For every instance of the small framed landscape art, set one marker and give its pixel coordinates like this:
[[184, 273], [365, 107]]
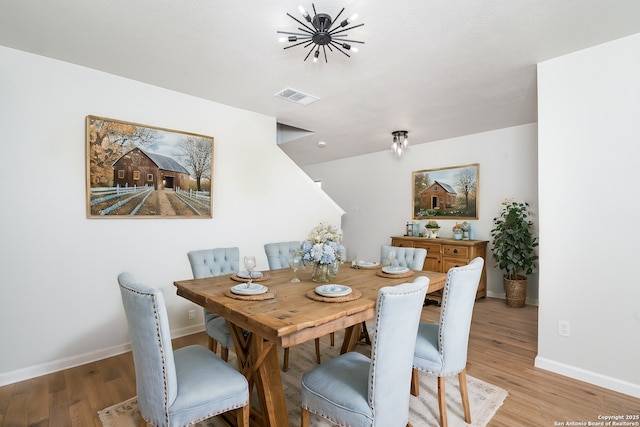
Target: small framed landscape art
[[139, 171], [446, 193]]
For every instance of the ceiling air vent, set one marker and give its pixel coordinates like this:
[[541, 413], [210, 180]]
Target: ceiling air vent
[[296, 96]]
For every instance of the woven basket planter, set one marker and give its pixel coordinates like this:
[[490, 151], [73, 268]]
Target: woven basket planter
[[516, 291]]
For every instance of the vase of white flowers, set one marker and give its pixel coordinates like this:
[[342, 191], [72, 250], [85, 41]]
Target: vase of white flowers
[[322, 249], [324, 273]]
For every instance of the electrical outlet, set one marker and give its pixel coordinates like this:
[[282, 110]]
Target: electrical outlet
[[564, 328], [192, 314]]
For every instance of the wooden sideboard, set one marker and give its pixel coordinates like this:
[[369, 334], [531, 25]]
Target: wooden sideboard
[[442, 254]]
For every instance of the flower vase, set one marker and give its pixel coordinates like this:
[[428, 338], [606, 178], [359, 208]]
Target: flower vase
[[457, 235], [324, 273]]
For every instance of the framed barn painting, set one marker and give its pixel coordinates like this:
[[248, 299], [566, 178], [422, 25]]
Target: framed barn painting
[[139, 171], [446, 193]]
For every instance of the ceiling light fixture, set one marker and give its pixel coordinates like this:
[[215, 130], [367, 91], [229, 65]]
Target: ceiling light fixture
[[320, 35], [400, 142]]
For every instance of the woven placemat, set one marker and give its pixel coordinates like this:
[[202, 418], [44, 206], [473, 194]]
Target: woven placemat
[[267, 295], [265, 276], [355, 294], [394, 276]]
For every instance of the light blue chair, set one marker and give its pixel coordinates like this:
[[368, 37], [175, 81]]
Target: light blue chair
[[343, 252], [279, 253], [209, 263], [441, 348], [279, 256], [354, 390], [412, 258], [181, 387]]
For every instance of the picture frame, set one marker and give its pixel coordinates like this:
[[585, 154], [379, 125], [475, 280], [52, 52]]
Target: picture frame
[[446, 193], [141, 171]]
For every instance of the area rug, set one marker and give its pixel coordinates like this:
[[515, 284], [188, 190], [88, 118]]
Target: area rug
[[484, 398]]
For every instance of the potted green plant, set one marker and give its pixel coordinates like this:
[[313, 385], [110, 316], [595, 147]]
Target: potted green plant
[[513, 249], [432, 229]]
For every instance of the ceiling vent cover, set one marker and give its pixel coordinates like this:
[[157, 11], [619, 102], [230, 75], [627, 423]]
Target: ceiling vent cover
[[296, 96]]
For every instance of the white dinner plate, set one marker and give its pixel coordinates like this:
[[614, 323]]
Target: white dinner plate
[[368, 264], [394, 270], [254, 289], [333, 290], [244, 274]]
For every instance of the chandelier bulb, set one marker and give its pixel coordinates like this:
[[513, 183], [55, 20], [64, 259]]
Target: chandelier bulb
[[282, 39], [346, 46], [316, 55], [348, 21], [304, 13]]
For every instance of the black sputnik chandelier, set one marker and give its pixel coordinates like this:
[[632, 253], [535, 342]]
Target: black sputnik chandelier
[[321, 34]]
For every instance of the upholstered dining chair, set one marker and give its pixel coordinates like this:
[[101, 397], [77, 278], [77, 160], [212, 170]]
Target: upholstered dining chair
[[279, 253], [279, 256], [181, 387], [209, 263], [354, 390], [441, 348], [412, 258]]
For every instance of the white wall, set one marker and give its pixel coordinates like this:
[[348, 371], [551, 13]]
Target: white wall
[[375, 189], [60, 303], [589, 153]]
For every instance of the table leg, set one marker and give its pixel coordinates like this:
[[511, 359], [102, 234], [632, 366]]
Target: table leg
[[351, 337], [258, 362], [268, 382]]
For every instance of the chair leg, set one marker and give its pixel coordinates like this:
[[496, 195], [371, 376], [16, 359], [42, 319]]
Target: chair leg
[[285, 361], [464, 395], [332, 337], [364, 334], [304, 418], [213, 345], [224, 353], [242, 415], [415, 382], [318, 350], [442, 402]]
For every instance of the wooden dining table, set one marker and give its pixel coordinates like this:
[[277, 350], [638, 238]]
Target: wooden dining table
[[289, 314]]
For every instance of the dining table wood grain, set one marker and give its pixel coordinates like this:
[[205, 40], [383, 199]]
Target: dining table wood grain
[[291, 317]]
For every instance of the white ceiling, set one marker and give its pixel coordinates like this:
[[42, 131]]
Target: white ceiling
[[437, 68]]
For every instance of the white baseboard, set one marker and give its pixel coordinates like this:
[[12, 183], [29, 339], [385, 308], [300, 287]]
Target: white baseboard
[[80, 359], [189, 330], [594, 378]]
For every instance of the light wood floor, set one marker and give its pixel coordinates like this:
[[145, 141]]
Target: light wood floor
[[502, 348]]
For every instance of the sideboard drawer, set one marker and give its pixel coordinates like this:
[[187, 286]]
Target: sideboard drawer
[[456, 251], [402, 243], [430, 247]]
